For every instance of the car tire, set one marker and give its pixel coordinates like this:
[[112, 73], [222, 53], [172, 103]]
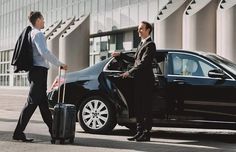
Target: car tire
[[97, 115]]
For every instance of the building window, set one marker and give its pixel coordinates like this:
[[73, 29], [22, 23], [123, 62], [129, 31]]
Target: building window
[[4, 68], [4, 80], [94, 6], [104, 43], [133, 2], [20, 79], [112, 42], [101, 46], [108, 5], [97, 44], [87, 6], [124, 3], [101, 6], [116, 4], [136, 39], [7, 77], [119, 41]]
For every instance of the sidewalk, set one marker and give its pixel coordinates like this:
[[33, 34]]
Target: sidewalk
[[11, 103], [37, 129], [163, 140]]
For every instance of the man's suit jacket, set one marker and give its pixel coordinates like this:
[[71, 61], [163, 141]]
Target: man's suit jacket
[[143, 58], [23, 56], [143, 78]]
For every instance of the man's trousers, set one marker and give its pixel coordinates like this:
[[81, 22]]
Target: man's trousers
[[37, 77]]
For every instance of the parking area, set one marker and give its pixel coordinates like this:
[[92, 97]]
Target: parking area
[[163, 139]]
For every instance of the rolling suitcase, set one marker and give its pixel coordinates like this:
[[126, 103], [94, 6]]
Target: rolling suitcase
[[64, 118]]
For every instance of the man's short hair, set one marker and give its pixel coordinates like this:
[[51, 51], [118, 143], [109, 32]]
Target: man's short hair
[[148, 26], [33, 16]]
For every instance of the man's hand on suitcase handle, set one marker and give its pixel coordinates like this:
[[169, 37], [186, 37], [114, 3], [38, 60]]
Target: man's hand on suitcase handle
[[64, 67]]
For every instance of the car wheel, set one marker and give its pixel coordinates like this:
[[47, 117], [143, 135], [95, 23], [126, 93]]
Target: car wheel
[[97, 115]]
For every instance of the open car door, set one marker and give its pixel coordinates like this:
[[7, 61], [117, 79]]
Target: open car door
[[124, 86]]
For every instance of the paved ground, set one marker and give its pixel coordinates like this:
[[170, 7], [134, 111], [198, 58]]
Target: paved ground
[[163, 139]]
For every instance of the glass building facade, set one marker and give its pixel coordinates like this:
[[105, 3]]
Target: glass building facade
[[113, 26]]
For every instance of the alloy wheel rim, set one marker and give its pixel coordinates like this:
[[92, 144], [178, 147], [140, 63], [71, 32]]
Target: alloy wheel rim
[[95, 114]]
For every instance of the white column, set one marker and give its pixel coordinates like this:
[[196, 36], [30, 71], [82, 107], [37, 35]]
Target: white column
[[74, 45], [199, 25], [168, 26], [53, 45], [48, 31], [226, 31]]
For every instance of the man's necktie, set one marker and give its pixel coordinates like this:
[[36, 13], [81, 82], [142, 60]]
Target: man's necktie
[[141, 43]]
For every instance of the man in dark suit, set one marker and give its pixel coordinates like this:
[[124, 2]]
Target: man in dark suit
[[37, 77], [143, 81]]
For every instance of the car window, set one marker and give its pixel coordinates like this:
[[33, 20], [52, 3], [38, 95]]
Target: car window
[[114, 65], [158, 66], [205, 68], [189, 65], [119, 64]]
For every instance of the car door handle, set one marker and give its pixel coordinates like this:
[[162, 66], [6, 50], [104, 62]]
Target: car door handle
[[178, 81], [115, 75]]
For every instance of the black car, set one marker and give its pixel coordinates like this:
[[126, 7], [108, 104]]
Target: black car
[[191, 89]]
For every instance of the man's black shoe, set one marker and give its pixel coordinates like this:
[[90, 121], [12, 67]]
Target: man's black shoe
[[138, 134], [144, 137], [22, 138]]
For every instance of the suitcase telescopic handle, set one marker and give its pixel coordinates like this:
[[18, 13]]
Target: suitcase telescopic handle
[[59, 86]]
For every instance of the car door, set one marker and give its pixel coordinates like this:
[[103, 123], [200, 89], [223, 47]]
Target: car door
[[126, 87], [123, 87], [198, 95]]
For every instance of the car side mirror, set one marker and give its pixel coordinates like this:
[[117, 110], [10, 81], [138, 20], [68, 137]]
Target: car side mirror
[[217, 73]]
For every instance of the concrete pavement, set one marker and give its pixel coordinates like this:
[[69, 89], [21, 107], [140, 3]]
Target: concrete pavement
[[164, 139]]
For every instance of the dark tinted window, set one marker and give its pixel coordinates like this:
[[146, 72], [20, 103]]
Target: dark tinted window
[[188, 65], [119, 64], [159, 64]]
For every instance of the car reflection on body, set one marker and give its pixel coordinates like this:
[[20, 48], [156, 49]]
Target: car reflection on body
[[191, 89]]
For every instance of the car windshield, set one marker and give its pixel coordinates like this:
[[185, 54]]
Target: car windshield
[[227, 64]]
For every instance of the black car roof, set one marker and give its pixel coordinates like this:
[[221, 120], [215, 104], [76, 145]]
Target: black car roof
[[184, 51], [201, 53], [180, 50]]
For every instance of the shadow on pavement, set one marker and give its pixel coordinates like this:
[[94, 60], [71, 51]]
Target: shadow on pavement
[[164, 138], [7, 136], [185, 141], [201, 136], [15, 120]]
